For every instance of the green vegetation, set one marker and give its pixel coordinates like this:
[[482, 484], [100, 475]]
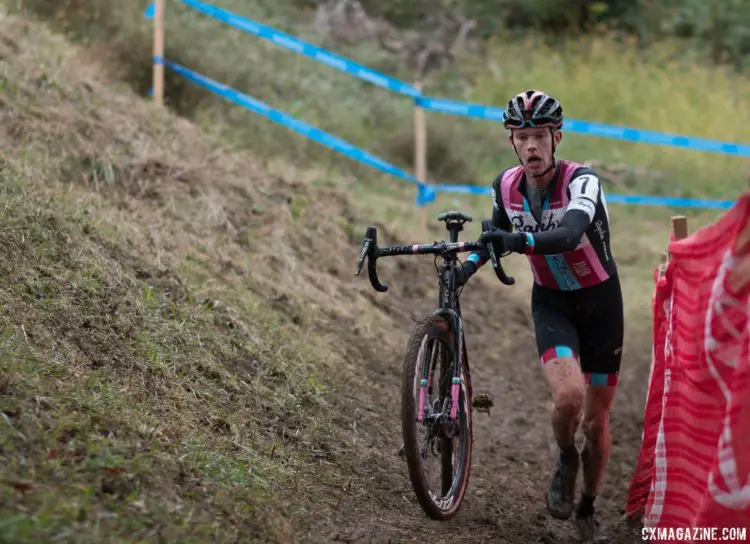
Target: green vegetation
[[154, 381], [612, 83], [607, 78], [716, 30]]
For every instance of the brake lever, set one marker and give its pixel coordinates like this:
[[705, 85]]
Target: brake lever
[[496, 265], [487, 227], [363, 254], [370, 249]]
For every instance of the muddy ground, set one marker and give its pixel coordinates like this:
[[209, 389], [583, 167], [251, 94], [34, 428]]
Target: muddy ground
[[514, 449]]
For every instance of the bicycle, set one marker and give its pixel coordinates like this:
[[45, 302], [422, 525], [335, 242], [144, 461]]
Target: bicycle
[[445, 417]]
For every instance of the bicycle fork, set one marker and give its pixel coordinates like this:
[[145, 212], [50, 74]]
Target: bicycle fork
[[456, 378]]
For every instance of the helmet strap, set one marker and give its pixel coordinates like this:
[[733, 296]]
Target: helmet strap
[[554, 161]]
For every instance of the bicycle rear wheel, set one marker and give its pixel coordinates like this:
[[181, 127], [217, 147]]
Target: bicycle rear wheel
[[430, 359]]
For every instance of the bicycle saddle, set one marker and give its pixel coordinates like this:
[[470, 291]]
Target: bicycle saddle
[[454, 216]]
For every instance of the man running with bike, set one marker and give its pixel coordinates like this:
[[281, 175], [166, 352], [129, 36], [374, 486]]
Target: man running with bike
[[560, 216]]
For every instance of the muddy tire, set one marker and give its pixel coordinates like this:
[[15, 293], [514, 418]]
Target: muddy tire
[[432, 343]]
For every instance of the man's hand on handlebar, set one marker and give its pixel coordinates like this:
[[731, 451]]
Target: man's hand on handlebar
[[503, 241], [370, 252]]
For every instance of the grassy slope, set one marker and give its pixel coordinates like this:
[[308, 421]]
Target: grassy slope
[[169, 365]]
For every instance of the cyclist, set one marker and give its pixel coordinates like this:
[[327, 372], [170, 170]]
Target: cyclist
[[561, 222]]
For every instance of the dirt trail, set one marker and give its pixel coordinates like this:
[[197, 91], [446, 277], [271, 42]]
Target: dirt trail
[[287, 241], [514, 447]]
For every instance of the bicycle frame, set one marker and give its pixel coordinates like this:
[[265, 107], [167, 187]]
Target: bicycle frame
[[448, 307], [449, 310]]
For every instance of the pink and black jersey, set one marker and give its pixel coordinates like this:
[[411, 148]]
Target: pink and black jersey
[[574, 193]]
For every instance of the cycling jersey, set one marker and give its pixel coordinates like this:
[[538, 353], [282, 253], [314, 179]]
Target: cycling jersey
[[568, 243]]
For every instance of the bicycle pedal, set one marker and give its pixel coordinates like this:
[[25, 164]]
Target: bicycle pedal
[[482, 402]]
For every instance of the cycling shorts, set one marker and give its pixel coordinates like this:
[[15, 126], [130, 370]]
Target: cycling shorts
[[587, 324]]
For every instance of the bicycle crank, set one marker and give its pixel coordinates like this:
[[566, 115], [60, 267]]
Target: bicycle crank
[[482, 402]]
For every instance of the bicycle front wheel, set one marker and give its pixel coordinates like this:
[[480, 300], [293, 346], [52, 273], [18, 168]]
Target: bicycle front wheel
[[427, 391]]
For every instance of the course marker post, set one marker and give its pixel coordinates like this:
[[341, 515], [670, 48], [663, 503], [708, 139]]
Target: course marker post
[[158, 58]]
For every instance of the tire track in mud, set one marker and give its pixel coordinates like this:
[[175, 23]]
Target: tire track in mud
[[514, 448]]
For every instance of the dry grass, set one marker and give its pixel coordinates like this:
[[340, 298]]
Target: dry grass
[[159, 375]]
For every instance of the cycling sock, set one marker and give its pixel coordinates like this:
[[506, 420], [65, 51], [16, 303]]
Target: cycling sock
[[585, 506], [569, 453]]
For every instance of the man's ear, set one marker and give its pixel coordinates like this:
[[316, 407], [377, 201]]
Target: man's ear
[[558, 136], [510, 140]]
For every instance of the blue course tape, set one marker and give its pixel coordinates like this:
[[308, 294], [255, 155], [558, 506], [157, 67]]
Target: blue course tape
[[449, 106], [593, 129], [645, 200], [466, 189], [295, 44], [675, 202], [658, 138], [460, 108], [424, 195]]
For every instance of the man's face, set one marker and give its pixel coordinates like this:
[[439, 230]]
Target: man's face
[[534, 147]]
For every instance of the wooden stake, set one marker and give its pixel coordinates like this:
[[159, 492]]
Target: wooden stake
[[680, 230], [420, 150], [679, 226], [158, 51]]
